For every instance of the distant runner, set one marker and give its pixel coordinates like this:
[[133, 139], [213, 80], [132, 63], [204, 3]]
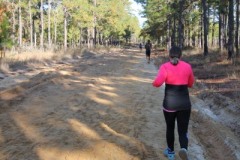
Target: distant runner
[[140, 46], [177, 76], [148, 48]]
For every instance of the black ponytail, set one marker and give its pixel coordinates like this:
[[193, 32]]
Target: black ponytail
[[174, 61], [175, 53]]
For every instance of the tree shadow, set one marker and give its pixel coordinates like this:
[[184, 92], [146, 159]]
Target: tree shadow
[[81, 114]]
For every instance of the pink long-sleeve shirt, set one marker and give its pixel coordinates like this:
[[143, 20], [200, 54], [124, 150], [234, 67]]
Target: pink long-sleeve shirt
[[180, 74], [176, 75]]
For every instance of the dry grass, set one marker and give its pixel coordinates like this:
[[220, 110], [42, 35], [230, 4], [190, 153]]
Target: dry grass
[[34, 57], [14, 60], [217, 74]]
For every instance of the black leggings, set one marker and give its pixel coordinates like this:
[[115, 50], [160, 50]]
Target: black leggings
[[182, 122], [148, 53]]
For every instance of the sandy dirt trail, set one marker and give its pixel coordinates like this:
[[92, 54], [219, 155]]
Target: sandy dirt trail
[[96, 107]]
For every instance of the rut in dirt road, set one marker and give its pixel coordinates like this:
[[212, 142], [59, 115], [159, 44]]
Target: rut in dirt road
[[96, 107]]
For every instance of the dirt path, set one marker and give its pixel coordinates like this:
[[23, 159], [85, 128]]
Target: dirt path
[[97, 107]]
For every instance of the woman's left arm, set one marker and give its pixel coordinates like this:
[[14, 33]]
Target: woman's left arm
[[191, 78]]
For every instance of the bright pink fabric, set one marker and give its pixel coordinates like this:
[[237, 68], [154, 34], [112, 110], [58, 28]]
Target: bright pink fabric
[[180, 74]]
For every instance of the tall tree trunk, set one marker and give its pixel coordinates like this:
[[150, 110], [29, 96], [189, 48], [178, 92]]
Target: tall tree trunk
[[201, 31], [180, 24], [88, 37], [31, 23], [189, 34], [34, 34], [80, 37], [230, 30], [95, 24], [173, 37], [65, 28], [186, 39], [208, 19], [213, 27], [224, 31], [101, 38], [92, 31], [55, 30], [220, 31], [225, 24], [205, 28], [237, 27], [213, 35], [35, 39], [42, 26], [20, 23], [13, 22], [169, 34], [49, 23]]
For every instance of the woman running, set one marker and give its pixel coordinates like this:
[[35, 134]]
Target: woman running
[[177, 76]]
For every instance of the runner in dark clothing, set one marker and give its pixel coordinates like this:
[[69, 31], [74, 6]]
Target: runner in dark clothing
[[177, 76], [148, 47], [140, 46]]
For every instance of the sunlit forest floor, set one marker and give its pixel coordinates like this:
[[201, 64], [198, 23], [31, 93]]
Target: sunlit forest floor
[[100, 104]]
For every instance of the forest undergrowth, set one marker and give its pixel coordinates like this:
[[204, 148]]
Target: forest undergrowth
[[27, 59]]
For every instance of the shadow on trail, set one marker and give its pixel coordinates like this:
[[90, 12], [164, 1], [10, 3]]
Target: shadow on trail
[[81, 112]]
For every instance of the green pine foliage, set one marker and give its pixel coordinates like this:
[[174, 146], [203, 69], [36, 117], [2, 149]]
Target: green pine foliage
[[109, 19], [5, 37]]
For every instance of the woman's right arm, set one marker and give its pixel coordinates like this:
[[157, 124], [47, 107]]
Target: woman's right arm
[[160, 78]]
